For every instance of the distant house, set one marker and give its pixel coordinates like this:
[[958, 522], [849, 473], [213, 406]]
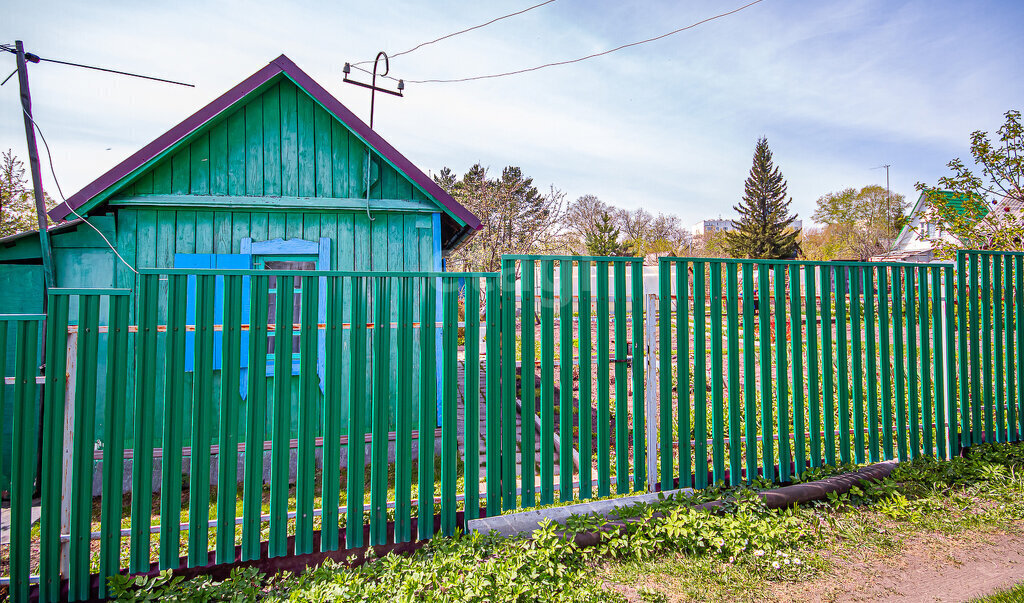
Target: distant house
[[720, 225], [709, 226], [922, 235]]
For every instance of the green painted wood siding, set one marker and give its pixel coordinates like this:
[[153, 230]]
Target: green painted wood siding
[[278, 143], [149, 238]]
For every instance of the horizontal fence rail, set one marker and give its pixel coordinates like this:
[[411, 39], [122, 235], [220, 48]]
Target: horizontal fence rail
[[254, 414]]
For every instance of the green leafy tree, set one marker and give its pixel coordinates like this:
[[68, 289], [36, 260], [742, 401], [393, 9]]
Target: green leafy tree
[[604, 240], [858, 224], [764, 229], [517, 218], [982, 211], [17, 208]]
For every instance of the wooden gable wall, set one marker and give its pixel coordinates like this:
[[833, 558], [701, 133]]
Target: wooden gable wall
[[280, 143]]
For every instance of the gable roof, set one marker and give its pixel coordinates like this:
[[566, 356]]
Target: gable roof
[[120, 175], [954, 202]]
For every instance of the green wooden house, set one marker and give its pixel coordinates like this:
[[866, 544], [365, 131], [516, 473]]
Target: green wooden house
[[275, 173]]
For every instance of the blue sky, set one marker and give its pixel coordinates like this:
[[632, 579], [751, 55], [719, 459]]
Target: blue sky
[[838, 87]]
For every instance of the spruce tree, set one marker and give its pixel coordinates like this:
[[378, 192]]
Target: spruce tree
[[764, 229], [605, 239]]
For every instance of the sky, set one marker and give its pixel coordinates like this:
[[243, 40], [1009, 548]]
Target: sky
[[838, 87]]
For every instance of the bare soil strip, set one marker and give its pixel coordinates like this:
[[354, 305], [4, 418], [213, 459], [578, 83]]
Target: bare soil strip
[[929, 567]]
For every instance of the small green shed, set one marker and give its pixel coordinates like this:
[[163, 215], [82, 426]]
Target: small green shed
[[274, 173]]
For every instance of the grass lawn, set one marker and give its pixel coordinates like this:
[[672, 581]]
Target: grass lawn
[[923, 530], [1009, 595]]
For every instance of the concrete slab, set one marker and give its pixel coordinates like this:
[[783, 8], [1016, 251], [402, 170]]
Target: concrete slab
[[5, 520], [528, 521]]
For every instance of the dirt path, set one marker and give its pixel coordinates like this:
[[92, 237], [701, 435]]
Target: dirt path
[[929, 568]]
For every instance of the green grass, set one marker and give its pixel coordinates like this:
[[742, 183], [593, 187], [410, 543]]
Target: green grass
[[1014, 594], [678, 554]]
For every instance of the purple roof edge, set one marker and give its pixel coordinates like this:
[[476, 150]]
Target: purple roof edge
[[281, 64]]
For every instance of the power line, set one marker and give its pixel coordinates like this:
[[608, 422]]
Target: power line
[[451, 35], [36, 59], [584, 58], [53, 172], [145, 77]]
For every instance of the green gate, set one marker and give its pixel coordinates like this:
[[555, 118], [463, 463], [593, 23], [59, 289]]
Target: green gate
[[768, 368], [599, 302]]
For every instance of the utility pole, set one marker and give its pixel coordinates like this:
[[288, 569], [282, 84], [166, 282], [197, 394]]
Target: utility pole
[[44, 236], [33, 162], [888, 201], [374, 89]]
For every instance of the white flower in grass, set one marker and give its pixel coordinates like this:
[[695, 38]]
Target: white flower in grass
[[775, 564], [759, 553]]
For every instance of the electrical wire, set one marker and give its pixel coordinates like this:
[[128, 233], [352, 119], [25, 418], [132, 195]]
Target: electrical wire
[[452, 35], [53, 172], [104, 69], [584, 58], [115, 71]]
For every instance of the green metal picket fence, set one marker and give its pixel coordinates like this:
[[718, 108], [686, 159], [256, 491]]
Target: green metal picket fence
[[990, 336], [769, 368], [599, 324], [19, 378], [366, 408], [361, 361]]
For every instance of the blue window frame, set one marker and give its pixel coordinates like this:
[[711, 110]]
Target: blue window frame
[[277, 253], [294, 254], [223, 261]]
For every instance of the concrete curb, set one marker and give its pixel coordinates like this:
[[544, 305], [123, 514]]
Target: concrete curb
[[777, 498], [528, 521]]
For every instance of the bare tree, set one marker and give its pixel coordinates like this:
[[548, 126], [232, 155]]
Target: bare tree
[[635, 226], [647, 233], [583, 219], [667, 235]]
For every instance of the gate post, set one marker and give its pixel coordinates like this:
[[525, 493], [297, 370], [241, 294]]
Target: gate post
[[507, 441]]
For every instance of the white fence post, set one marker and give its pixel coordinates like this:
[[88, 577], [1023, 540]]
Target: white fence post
[[69, 427], [651, 391]]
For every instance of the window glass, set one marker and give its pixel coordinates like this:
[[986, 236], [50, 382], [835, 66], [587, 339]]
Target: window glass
[[296, 303]]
